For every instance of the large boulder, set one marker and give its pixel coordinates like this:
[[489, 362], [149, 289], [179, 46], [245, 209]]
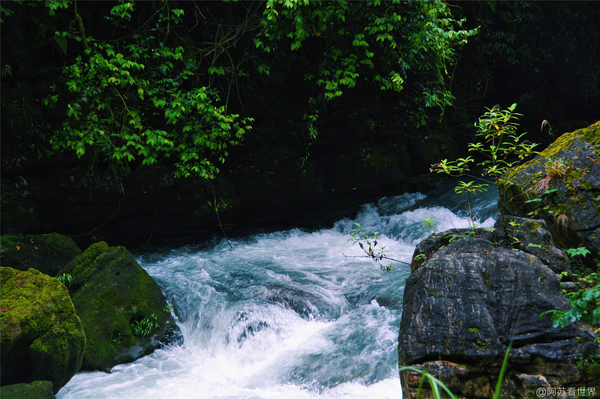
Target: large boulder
[[123, 310], [527, 235], [470, 298], [42, 337], [48, 253], [35, 390], [562, 186]]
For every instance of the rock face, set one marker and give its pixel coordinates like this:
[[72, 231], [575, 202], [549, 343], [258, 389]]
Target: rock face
[[562, 186], [466, 299], [42, 337], [123, 311], [48, 253]]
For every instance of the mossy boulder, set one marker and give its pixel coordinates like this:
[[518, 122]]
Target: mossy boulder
[[562, 186], [42, 337], [48, 253], [123, 310], [35, 390]]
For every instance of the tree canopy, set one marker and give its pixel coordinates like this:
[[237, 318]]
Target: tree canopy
[[150, 82]]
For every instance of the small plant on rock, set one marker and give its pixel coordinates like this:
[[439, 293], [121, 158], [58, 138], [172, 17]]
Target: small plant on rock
[[575, 255], [146, 327], [585, 303], [502, 148], [429, 224], [514, 228], [557, 170], [65, 278]]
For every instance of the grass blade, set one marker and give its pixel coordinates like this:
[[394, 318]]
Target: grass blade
[[502, 371]]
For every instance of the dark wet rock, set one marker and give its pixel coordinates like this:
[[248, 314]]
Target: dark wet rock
[[123, 311], [427, 247], [467, 298], [533, 236], [48, 253], [35, 390], [243, 329], [247, 323], [42, 337], [464, 305], [307, 305]]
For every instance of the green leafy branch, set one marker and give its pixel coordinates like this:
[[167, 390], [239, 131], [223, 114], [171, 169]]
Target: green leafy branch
[[395, 45], [585, 305], [125, 109], [501, 146], [368, 242]]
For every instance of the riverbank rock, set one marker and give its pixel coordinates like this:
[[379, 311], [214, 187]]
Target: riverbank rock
[[35, 390], [48, 253], [465, 303], [562, 186], [123, 311], [42, 337]]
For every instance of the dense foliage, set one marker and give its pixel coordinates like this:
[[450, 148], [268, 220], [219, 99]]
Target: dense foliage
[[399, 45], [129, 83], [148, 84]]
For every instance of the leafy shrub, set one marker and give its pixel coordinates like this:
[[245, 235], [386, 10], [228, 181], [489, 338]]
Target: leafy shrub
[[503, 150], [137, 101], [584, 306]]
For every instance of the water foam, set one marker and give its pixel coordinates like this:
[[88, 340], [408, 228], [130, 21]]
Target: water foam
[[289, 314]]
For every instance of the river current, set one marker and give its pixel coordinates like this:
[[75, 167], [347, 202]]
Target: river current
[[286, 314]]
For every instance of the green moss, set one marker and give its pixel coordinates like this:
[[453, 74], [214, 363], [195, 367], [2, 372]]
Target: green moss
[[47, 253], [83, 266], [481, 345], [486, 277], [474, 329], [9, 240], [39, 325], [108, 285], [35, 390], [590, 134]]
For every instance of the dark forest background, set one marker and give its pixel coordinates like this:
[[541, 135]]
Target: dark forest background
[[131, 122]]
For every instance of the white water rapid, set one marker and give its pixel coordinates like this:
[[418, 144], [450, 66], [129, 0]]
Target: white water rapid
[[286, 314]]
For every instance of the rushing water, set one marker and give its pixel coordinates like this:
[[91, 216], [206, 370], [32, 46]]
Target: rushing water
[[289, 314]]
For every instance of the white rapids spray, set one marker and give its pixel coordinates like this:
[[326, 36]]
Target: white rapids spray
[[290, 314]]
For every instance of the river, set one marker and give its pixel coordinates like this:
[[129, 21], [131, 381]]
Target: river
[[286, 314]]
